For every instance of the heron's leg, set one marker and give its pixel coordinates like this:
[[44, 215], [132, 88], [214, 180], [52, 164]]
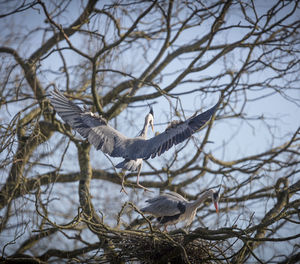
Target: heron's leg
[[123, 180], [138, 178]]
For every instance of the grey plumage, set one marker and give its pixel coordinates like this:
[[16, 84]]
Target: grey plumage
[[104, 137], [98, 132], [171, 208], [136, 165], [131, 165]]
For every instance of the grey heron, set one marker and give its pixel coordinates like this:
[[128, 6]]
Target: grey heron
[[81, 121], [171, 208], [104, 137], [136, 165]]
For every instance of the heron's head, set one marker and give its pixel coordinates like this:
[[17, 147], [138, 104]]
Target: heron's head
[[215, 198], [150, 118]]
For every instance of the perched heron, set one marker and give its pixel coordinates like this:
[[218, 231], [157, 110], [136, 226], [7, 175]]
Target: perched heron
[[171, 208], [104, 137]]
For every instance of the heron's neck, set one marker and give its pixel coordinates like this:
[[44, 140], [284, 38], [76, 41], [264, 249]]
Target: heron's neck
[[195, 204], [145, 128]]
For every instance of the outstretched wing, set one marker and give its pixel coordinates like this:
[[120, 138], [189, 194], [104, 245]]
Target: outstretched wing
[[164, 205], [90, 126], [173, 135], [112, 142]]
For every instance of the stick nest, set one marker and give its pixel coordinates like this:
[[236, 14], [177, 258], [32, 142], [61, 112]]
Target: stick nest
[[164, 248]]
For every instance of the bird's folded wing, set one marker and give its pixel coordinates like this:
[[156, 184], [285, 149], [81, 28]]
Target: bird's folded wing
[[175, 196], [162, 206]]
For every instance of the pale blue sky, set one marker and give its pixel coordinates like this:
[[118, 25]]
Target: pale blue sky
[[242, 139]]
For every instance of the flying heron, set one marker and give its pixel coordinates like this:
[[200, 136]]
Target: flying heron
[[104, 137], [91, 126], [171, 208], [136, 165]]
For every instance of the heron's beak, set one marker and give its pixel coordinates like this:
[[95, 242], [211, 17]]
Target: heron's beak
[[216, 206], [152, 126]]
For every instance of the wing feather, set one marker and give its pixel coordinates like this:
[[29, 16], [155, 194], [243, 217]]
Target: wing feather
[[164, 205], [90, 126], [176, 196], [109, 140], [172, 135]]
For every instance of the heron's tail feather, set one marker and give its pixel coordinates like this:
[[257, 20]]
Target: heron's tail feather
[[131, 165]]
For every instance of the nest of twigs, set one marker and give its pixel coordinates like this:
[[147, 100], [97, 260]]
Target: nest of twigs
[[164, 248]]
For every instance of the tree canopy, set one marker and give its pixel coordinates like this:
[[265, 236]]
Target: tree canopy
[[60, 199]]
